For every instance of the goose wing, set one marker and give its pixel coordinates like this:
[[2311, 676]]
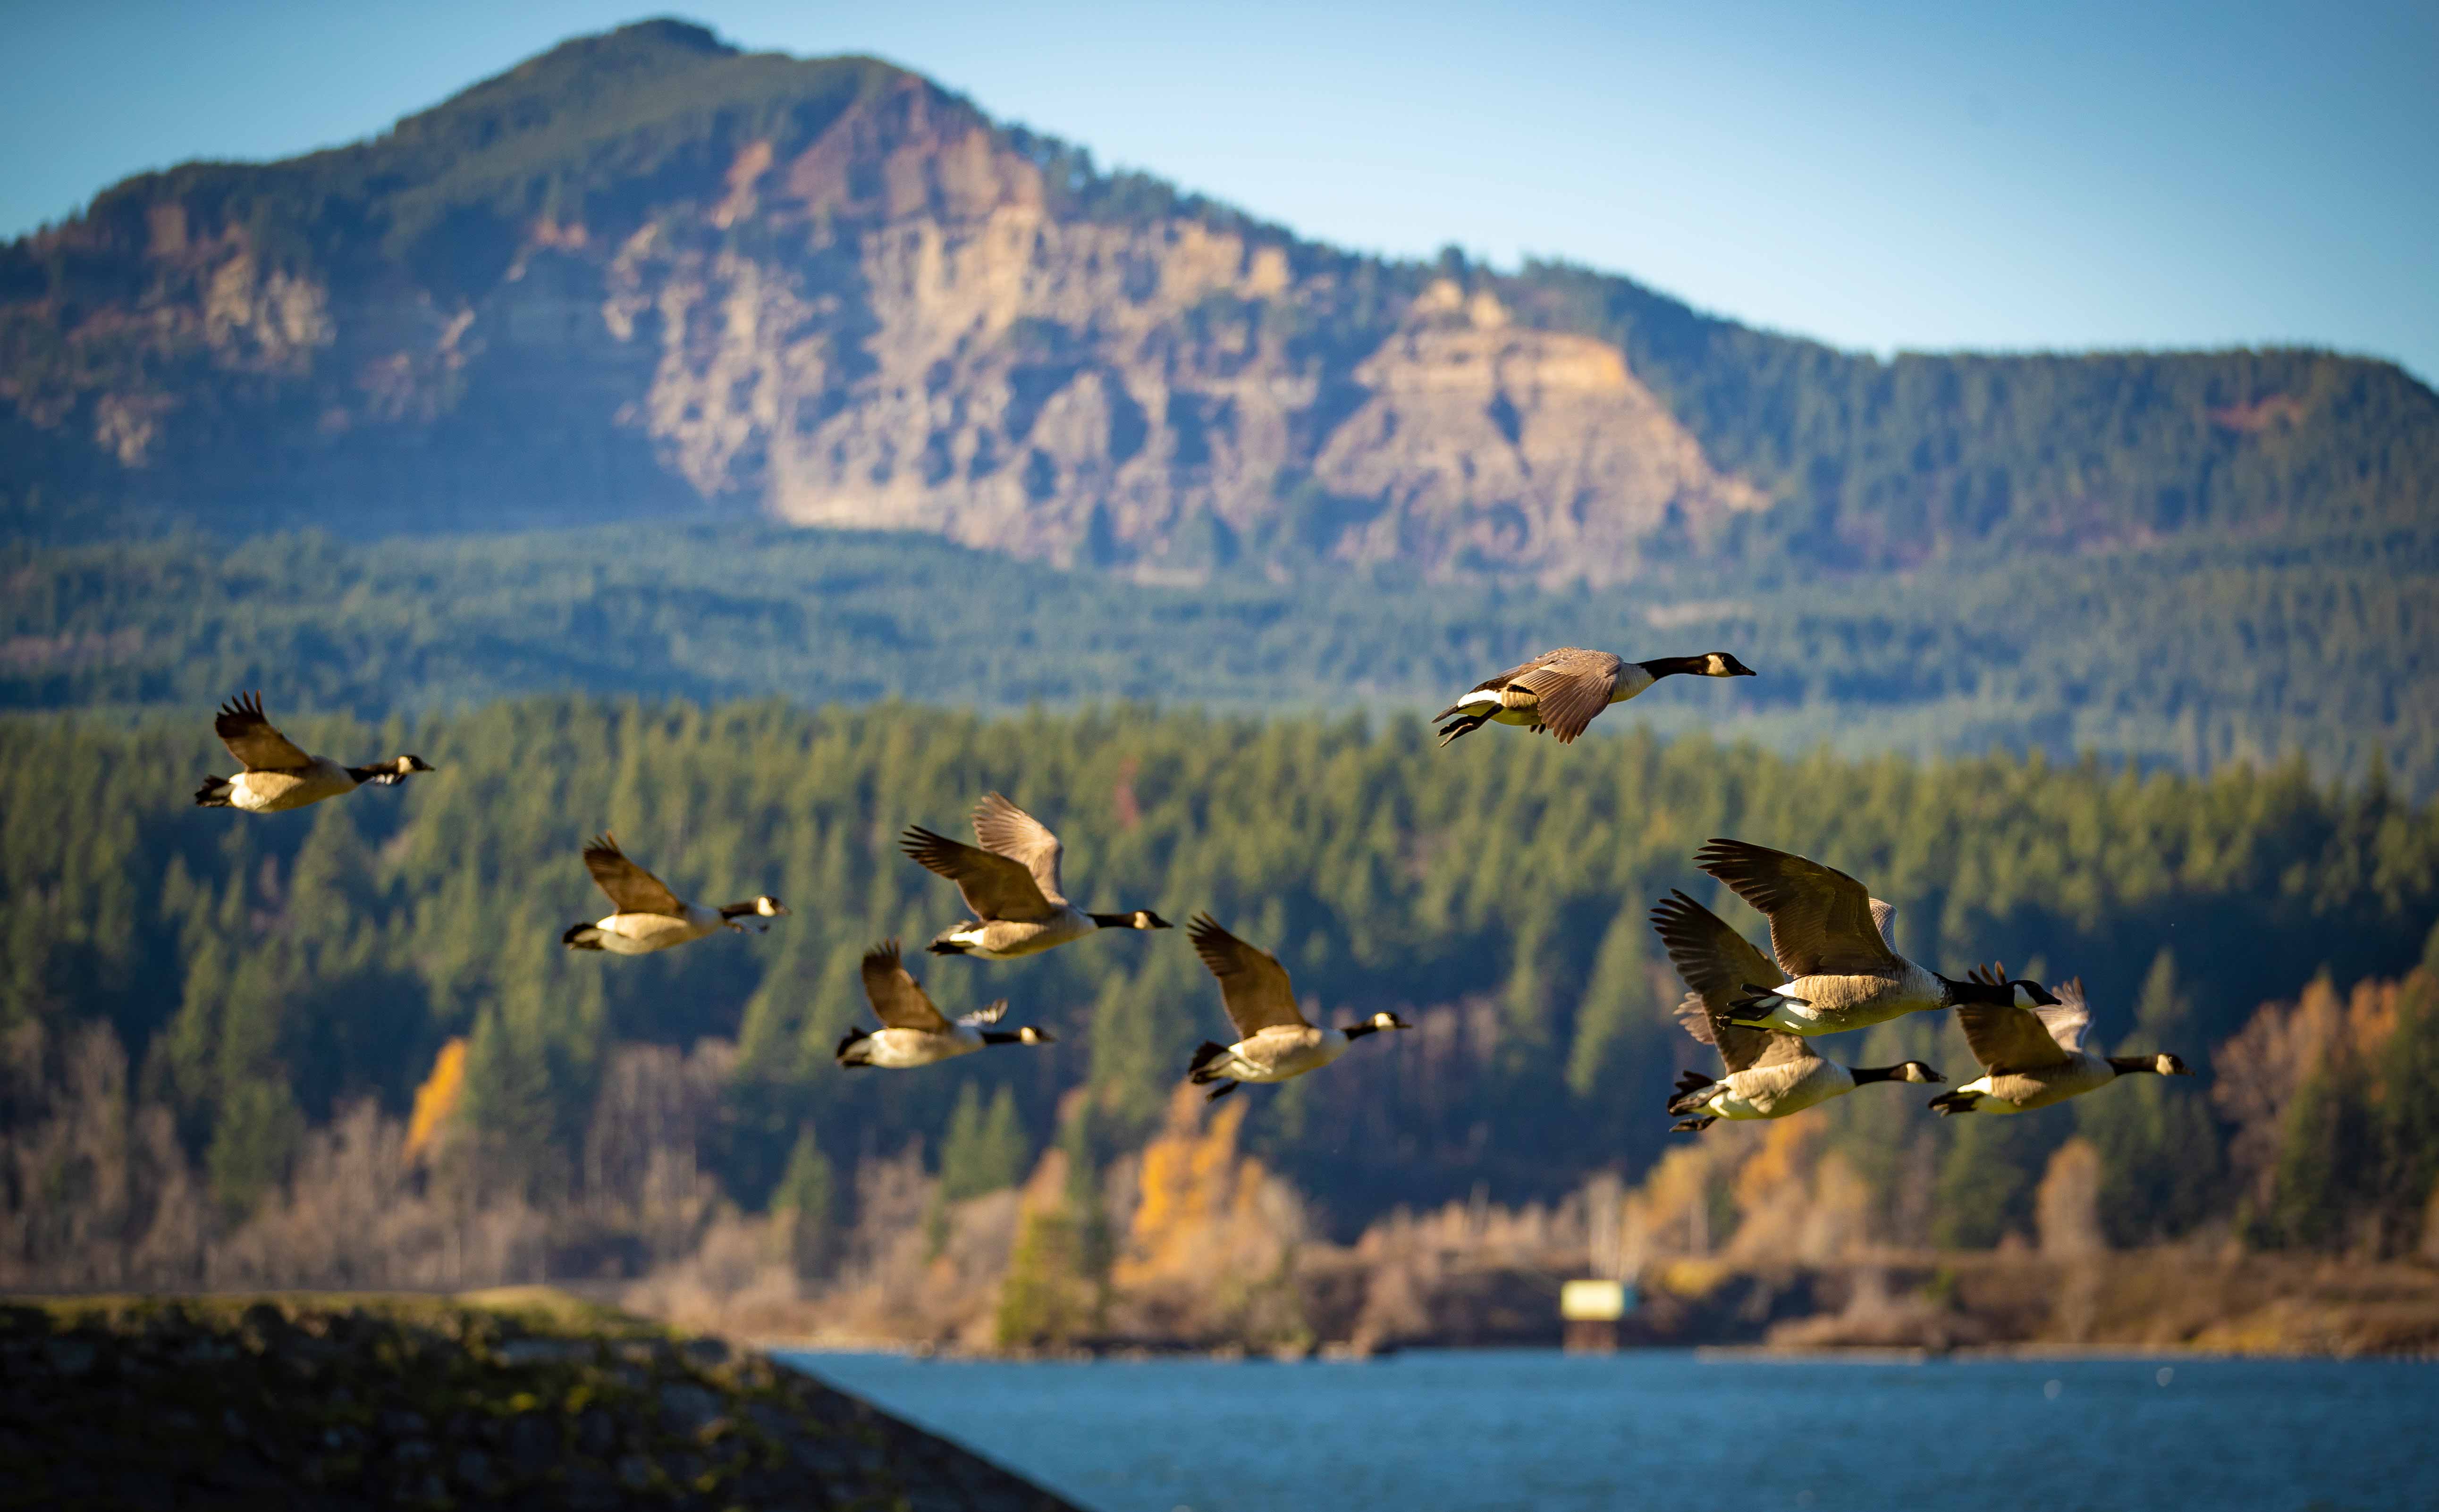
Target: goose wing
[[896, 997], [1884, 922], [995, 886], [1570, 685], [630, 886], [1252, 985], [1821, 919], [1716, 961], [1008, 830], [2067, 1018], [250, 738], [2005, 1038]]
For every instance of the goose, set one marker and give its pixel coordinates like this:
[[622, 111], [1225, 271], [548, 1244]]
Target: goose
[[913, 1032], [2031, 1058], [1012, 885], [279, 774], [1274, 1039], [1562, 690], [1832, 943], [1769, 1075], [648, 916]]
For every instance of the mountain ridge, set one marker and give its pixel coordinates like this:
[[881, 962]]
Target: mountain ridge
[[645, 273]]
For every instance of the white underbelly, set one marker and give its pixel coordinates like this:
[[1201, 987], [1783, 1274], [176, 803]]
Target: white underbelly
[[1988, 1101], [1761, 1094], [277, 792], [1832, 1005], [900, 1049], [643, 933], [1253, 1060], [1006, 939]]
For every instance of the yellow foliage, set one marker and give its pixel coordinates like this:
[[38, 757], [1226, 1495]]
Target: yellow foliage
[[1192, 1180], [438, 1098], [1785, 1156]]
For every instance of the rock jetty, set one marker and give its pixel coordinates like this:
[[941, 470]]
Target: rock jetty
[[526, 1399]]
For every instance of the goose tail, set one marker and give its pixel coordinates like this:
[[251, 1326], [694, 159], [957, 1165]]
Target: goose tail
[[1951, 1103], [582, 937], [214, 793], [852, 1051], [1203, 1067], [1693, 1091], [1465, 724]]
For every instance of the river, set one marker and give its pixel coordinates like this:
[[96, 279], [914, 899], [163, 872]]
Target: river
[[1448, 1430]]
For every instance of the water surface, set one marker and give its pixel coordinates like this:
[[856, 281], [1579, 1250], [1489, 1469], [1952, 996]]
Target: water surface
[[1468, 1431]]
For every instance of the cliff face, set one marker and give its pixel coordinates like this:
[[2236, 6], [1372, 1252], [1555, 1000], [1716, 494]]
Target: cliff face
[[889, 326], [645, 273]]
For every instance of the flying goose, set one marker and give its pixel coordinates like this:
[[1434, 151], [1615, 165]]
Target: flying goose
[[1769, 1075], [1012, 885], [913, 1032], [1562, 690], [279, 775], [1832, 943], [2031, 1058], [648, 915], [1274, 1039]]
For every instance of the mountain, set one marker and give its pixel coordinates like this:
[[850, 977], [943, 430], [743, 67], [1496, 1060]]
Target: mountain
[[645, 274]]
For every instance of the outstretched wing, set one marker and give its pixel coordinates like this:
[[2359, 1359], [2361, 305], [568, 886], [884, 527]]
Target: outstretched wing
[[1008, 831], [1884, 921], [895, 996], [2067, 1018], [1253, 983], [250, 738], [1718, 963], [2005, 1038], [995, 886], [1821, 919], [631, 888], [1570, 685]]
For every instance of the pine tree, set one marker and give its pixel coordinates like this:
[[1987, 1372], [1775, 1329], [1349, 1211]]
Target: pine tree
[[985, 1151], [804, 1200], [2161, 1170]]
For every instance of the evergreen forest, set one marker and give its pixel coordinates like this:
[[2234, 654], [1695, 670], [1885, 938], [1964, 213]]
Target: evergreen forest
[[258, 978]]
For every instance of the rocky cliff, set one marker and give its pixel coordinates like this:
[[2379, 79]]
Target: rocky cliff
[[645, 273]]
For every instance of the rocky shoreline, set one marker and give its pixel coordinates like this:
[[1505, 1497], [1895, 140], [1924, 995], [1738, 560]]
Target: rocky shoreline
[[526, 1399]]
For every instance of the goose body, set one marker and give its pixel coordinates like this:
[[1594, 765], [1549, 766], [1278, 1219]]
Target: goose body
[[1011, 883], [1767, 1074], [279, 774], [2033, 1058], [913, 1031], [1274, 1040], [1562, 690], [647, 916], [1836, 967]]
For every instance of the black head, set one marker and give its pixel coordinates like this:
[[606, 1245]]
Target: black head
[[1374, 1024], [1916, 1070], [1724, 664], [2168, 1065], [407, 765]]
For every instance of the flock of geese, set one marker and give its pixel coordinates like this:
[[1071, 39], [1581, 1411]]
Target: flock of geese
[[1832, 964]]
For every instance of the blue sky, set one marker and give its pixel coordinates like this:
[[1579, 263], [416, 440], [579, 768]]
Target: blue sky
[[1900, 175]]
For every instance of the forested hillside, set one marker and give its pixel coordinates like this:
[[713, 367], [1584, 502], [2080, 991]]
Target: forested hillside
[[645, 274], [2309, 647], [255, 977]]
